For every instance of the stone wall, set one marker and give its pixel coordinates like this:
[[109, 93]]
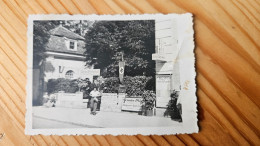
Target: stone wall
[[111, 102], [71, 100]]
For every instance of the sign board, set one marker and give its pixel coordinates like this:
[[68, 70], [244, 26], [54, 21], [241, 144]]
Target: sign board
[[160, 57], [132, 104], [93, 72]]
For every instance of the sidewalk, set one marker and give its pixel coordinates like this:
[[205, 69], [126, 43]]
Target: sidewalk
[[82, 117]]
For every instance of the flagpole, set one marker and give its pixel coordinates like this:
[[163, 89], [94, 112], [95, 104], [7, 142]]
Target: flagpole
[[122, 54]]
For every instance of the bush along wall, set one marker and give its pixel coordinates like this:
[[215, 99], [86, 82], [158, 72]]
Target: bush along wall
[[135, 86], [111, 85], [62, 84]]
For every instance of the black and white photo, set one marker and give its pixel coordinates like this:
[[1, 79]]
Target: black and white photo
[[123, 74]]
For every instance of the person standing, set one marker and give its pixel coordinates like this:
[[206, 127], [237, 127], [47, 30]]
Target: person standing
[[179, 106], [94, 100]]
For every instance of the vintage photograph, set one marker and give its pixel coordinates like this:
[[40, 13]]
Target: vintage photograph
[[106, 73]]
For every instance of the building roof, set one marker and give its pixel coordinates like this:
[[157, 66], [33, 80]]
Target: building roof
[[58, 38], [57, 44], [64, 32]]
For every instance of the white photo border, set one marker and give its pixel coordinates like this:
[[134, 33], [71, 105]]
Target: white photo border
[[187, 77]]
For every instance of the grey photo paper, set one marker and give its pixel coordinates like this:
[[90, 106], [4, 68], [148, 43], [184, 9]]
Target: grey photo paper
[[111, 74]]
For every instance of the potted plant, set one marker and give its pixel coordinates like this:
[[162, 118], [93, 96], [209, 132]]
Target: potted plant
[[148, 102]]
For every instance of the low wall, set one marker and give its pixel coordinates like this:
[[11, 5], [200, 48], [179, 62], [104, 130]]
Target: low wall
[[118, 102], [109, 101], [112, 102], [71, 100]]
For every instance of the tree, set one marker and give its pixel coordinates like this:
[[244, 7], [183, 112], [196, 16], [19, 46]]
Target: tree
[[107, 40], [41, 35], [78, 26]]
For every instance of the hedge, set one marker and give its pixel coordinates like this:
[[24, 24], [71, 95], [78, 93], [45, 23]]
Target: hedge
[[111, 85], [135, 86], [62, 84]]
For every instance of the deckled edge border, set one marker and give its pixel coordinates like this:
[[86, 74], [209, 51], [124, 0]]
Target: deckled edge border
[[190, 126]]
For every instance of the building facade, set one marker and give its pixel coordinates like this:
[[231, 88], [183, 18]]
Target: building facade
[[166, 57], [64, 58]]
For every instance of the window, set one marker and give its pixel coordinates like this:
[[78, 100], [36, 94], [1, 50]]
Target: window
[[69, 74], [72, 45]]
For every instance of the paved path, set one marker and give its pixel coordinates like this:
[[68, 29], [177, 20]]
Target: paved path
[[83, 118], [39, 122]]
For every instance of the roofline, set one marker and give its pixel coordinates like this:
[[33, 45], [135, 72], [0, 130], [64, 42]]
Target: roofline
[[65, 54], [82, 39], [55, 29]]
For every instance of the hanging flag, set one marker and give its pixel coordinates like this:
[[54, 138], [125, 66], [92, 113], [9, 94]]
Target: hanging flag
[[121, 71]]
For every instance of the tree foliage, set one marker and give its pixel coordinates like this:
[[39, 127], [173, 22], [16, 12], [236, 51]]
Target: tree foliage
[[106, 40], [41, 36], [77, 26]]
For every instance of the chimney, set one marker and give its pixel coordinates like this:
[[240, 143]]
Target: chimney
[[61, 23], [80, 28]]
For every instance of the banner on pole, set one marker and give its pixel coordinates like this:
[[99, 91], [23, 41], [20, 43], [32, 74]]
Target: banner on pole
[[121, 70]]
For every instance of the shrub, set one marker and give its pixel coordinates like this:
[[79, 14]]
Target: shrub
[[135, 86], [149, 98], [111, 85], [62, 84]]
